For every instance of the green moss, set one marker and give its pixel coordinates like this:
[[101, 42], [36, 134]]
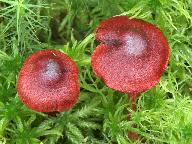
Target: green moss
[[100, 117]]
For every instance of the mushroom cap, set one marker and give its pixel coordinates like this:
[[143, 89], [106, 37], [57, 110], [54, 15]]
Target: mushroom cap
[[48, 82], [133, 54]]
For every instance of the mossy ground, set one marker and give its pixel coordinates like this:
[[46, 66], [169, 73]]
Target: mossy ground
[[164, 114]]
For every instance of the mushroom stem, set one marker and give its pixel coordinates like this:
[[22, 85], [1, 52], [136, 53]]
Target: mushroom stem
[[52, 114], [133, 100]]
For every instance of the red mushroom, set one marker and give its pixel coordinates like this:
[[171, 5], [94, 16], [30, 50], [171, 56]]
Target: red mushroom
[[48, 82], [132, 57]]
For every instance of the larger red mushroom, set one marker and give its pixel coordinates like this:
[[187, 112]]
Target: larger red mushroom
[[132, 56], [48, 82]]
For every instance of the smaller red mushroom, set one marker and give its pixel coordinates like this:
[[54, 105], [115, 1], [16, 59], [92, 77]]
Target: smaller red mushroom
[[132, 57], [48, 82]]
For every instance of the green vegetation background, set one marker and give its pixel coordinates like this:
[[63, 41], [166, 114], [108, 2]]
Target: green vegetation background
[[164, 114]]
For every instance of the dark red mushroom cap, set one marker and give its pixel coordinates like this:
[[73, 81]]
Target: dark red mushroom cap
[[133, 54], [48, 82]]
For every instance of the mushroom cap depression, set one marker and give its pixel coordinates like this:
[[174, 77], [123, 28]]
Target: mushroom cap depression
[[48, 82], [132, 55]]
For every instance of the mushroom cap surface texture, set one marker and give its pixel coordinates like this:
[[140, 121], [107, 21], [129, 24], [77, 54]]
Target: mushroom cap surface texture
[[132, 55], [48, 82]]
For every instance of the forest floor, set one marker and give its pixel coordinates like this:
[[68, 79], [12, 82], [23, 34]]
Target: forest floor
[[164, 113]]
